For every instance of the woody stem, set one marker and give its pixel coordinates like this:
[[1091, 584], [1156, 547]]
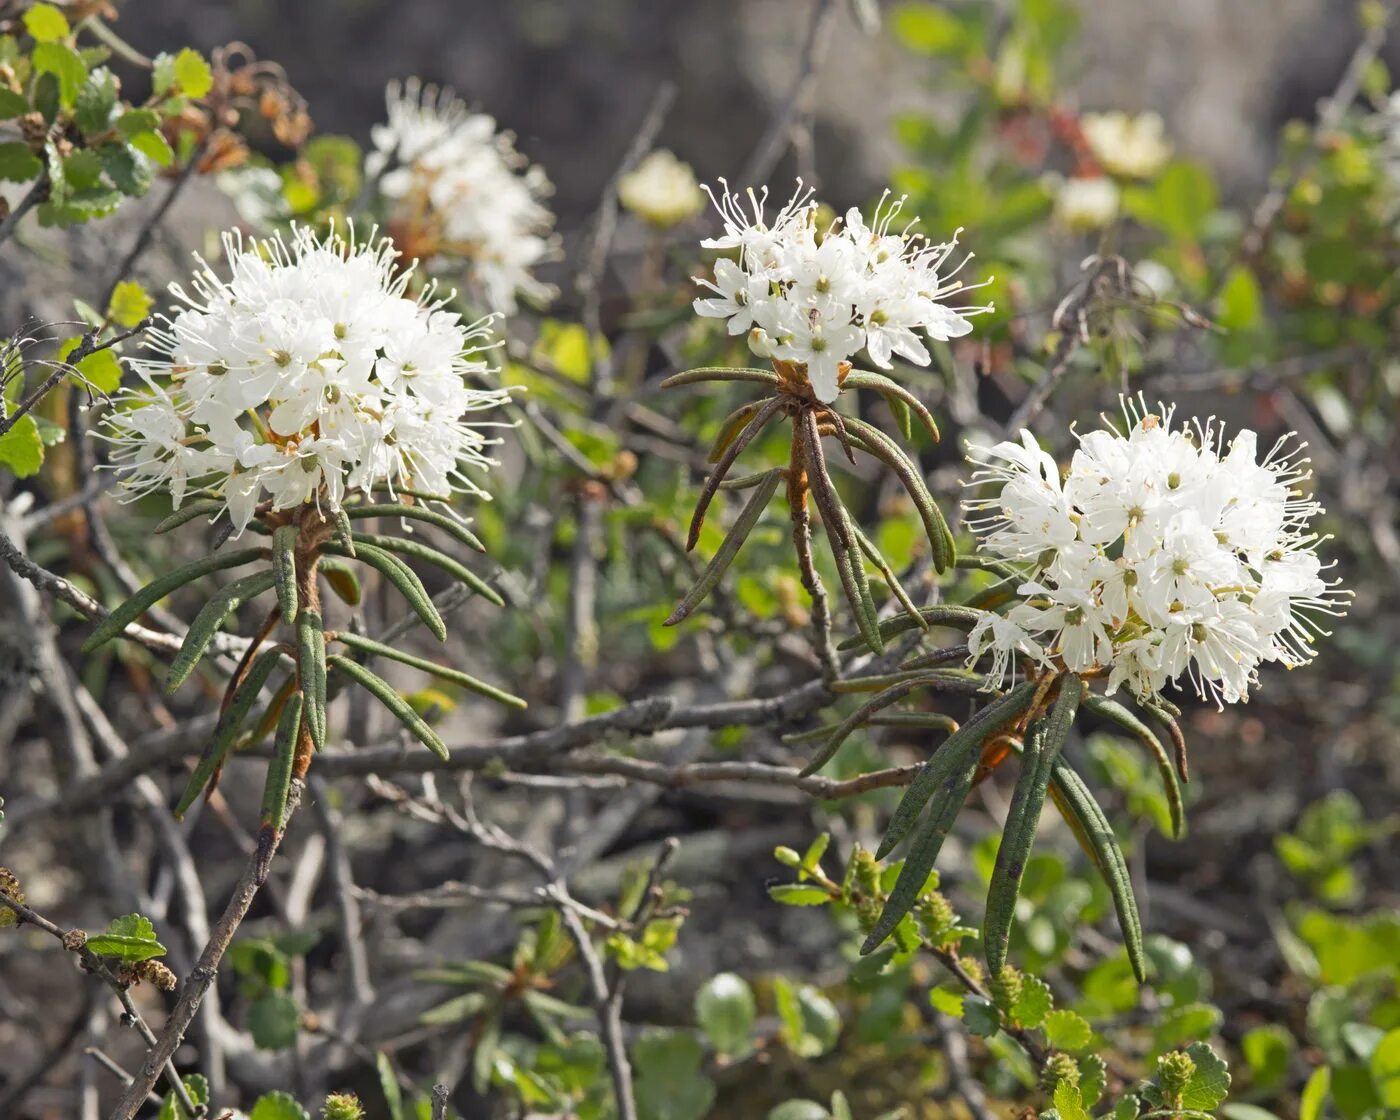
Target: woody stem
[[797, 488]]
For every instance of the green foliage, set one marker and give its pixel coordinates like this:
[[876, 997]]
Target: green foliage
[[130, 304], [725, 1010], [1330, 832], [128, 939], [283, 1106], [196, 1086], [110, 147], [22, 447], [670, 1084], [264, 970], [905, 976]]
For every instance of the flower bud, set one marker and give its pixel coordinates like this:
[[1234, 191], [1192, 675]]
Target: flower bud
[[1059, 1067], [1175, 1070], [342, 1106]]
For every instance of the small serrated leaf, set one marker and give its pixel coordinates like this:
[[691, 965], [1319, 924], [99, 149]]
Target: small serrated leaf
[[278, 1105], [192, 74], [1067, 1030], [1210, 1084], [196, 1085], [130, 938]]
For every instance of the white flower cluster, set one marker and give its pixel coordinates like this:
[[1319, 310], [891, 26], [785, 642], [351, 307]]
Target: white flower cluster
[[1134, 147], [816, 298], [1159, 553], [457, 188], [305, 375], [661, 190], [1086, 205]]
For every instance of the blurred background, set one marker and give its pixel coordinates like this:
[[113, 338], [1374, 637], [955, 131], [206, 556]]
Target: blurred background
[[1293, 796], [573, 77]]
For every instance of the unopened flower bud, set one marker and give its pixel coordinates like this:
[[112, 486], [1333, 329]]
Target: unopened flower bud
[[1175, 1070], [342, 1106], [1006, 987], [1059, 1067]]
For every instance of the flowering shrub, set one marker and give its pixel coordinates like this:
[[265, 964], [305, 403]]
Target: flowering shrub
[[815, 298], [306, 376], [455, 188], [1157, 554], [392, 399]]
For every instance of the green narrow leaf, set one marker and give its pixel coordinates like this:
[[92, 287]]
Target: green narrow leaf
[[839, 533], [153, 592], [405, 582], [1043, 745], [279, 770], [230, 723], [967, 740], [960, 618], [859, 718], [721, 373], [894, 392], [960, 769], [443, 672], [284, 566], [855, 584], [730, 427], [874, 555], [311, 664], [1116, 713], [878, 445], [488, 1041], [1089, 824], [420, 551], [189, 512], [1315, 1092], [384, 692], [341, 578], [208, 622], [734, 539], [389, 1085], [447, 524], [344, 531]]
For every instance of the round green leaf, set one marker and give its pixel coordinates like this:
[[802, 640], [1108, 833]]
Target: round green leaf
[[725, 1010]]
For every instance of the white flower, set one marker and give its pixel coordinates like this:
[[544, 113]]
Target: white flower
[[457, 189], [1085, 205], [815, 298], [1131, 146], [1160, 553], [307, 374], [661, 190]]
